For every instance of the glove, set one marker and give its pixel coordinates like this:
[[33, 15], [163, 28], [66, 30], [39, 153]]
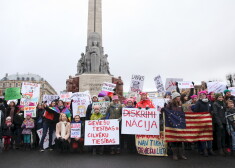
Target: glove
[[139, 107], [147, 108]]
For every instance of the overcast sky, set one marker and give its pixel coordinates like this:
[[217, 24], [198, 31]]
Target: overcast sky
[[191, 39]]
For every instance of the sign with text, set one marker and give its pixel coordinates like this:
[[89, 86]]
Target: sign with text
[[171, 84], [102, 132], [75, 130], [217, 87], [108, 87], [104, 106], [66, 96], [140, 121], [159, 84], [50, 98], [30, 93], [30, 110], [151, 145], [137, 83], [185, 85], [12, 93], [232, 89]]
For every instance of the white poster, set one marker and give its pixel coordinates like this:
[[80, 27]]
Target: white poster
[[75, 130], [30, 93], [159, 84], [108, 87], [103, 106], [171, 84], [50, 98], [217, 87], [102, 132], [30, 110], [232, 90], [140, 121], [66, 96], [46, 140], [80, 102], [185, 85], [137, 83]]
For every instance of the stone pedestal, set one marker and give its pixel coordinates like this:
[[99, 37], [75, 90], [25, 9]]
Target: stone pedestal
[[93, 82]]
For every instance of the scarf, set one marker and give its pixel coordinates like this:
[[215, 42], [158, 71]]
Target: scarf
[[63, 128]]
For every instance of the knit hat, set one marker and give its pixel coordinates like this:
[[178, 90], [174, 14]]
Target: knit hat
[[94, 96], [218, 95], [8, 118], [115, 97], [193, 96], [29, 114], [143, 93], [226, 91], [129, 100], [96, 106], [175, 94], [203, 92]]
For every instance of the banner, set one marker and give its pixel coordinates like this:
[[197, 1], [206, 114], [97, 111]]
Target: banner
[[217, 87], [104, 106], [50, 98], [75, 130], [232, 89], [101, 132], [30, 93], [12, 93], [30, 110], [108, 87], [46, 141], [137, 82], [151, 145], [170, 84], [159, 84], [185, 85], [140, 121], [66, 96], [80, 102]]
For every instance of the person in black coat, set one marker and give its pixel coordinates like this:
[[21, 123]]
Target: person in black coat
[[3, 108], [89, 107], [18, 120], [8, 129]]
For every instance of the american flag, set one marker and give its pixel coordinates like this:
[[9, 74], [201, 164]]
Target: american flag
[[188, 126]]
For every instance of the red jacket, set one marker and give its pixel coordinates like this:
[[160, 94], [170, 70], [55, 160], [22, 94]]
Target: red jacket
[[145, 103]]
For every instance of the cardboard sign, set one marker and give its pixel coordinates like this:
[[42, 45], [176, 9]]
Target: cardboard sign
[[46, 140], [185, 85], [30, 110], [232, 90], [104, 106], [108, 87], [12, 93], [102, 132], [170, 84], [140, 121], [137, 83], [151, 145], [80, 102], [66, 96], [30, 93], [159, 84], [160, 102], [50, 98], [75, 130], [217, 87]]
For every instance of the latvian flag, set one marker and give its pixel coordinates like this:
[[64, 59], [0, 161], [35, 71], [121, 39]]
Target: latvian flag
[[188, 126]]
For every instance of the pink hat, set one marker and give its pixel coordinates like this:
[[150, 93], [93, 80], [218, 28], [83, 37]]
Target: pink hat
[[20, 106], [203, 92], [31, 104], [193, 96], [115, 97], [143, 93], [127, 100], [29, 114]]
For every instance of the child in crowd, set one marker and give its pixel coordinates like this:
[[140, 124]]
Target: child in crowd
[[7, 133]]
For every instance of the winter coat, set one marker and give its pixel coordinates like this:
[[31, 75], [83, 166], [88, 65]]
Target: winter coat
[[18, 119], [230, 121], [201, 106], [96, 116], [67, 128], [27, 126], [88, 111], [39, 118], [3, 109], [8, 130], [171, 106], [114, 111], [218, 113], [145, 103], [1, 123]]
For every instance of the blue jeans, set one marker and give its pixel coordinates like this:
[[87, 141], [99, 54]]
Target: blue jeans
[[45, 127], [205, 145], [233, 140], [27, 138]]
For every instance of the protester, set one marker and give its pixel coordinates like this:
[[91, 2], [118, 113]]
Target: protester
[[7, 133], [18, 120], [11, 109], [63, 133], [1, 127], [89, 107], [145, 102], [228, 95], [2, 108], [27, 126]]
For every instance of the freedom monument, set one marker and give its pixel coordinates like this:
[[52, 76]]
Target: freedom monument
[[93, 66]]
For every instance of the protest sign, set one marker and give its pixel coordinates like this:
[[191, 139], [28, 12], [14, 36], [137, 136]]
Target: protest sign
[[30, 93], [108, 87], [137, 82], [30, 110], [232, 89], [103, 106], [12, 93], [151, 145], [102, 132], [65, 96], [171, 84], [217, 87], [140, 121], [50, 98], [75, 130], [46, 140], [80, 102], [185, 85], [159, 84]]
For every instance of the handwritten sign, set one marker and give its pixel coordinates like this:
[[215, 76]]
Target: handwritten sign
[[137, 82], [140, 121], [171, 84], [30, 110], [108, 87], [102, 132], [75, 130], [217, 87], [232, 89], [159, 84], [185, 85], [50, 98], [46, 140], [151, 145], [12, 93], [104, 106], [66, 96], [30, 93]]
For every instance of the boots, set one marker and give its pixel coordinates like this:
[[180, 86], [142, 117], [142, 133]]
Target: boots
[[175, 153], [181, 154], [205, 153], [221, 152], [211, 152]]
